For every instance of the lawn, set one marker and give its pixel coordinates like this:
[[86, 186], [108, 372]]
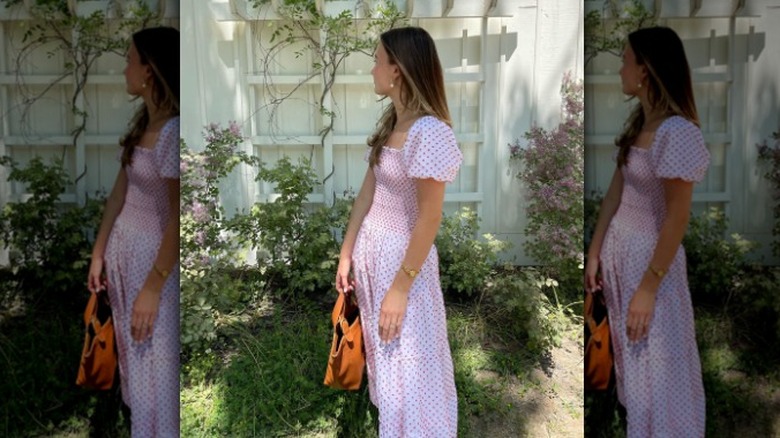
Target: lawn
[[265, 379]]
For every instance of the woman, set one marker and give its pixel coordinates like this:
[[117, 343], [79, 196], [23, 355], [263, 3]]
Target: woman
[[138, 241], [636, 242], [389, 242]]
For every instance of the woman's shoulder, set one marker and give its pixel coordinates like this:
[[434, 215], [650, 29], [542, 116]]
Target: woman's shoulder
[[429, 123], [172, 123], [677, 123]]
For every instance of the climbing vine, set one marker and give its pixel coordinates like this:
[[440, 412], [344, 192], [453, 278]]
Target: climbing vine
[[606, 29], [329, 39], [81, 39]]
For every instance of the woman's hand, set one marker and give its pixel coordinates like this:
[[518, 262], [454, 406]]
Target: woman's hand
[[592, 281], [640, 313], [145, 309], [343, 282], [95, 281], [391, 315]]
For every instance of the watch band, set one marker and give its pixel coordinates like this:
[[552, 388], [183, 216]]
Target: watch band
[[161, 272], [658, 272], [410, 272]]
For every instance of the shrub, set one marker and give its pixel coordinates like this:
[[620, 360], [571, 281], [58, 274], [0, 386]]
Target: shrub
[[716, 264], [553, 176], [465, 261], [208, 252], [520, 297], [297, 243], [48, 240]]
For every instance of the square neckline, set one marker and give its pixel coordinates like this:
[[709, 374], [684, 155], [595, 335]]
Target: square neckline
[[157, 140], [407, 134], [655, 134]]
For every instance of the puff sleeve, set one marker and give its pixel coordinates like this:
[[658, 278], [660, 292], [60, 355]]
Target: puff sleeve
[[166, 152], [431, 151], [679, 151]]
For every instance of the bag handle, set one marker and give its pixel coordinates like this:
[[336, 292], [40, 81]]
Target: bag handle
[[90, 313], [589, 297]]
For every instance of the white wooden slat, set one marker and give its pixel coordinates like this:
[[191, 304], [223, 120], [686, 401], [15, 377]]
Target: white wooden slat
[[259, 79], [6, 79]]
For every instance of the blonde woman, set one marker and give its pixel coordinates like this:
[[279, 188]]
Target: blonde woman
[[636, 243], [138, 242], [389, 248]]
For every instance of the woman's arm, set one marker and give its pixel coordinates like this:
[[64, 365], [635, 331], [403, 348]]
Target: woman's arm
[[678, 194], [114, 203], [608, 208], [430, 199], [360, 208], [147, 303]]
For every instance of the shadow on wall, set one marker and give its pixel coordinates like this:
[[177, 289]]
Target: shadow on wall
[[700, 53], [507, 43]]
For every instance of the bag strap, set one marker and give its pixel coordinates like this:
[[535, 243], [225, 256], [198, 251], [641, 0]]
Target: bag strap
[[90, 313], [589, 297]]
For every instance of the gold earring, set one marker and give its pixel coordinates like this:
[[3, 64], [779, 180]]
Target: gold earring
[[639, 85], [392, 85], [143, 85]]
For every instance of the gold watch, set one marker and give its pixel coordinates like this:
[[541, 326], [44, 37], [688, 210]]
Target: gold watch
[[658, 272], [162, 272], [410, 272]]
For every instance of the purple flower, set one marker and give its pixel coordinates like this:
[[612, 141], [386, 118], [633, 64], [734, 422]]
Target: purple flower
[[235, 129], [200, 212]]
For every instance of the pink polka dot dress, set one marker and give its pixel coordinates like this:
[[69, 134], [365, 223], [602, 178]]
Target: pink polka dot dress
[[149, 370], [659, 378], [411, 379]]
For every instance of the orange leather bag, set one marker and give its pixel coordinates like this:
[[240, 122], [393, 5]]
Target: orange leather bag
[[98, 358], [347, 356], [598, 352]]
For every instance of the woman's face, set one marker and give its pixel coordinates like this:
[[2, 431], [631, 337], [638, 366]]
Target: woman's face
[[631, 73], [384, 72], [136, 73]]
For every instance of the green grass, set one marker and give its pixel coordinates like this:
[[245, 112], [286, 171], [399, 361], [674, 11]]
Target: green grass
[[40, 347], [267, 379], [740, 383]]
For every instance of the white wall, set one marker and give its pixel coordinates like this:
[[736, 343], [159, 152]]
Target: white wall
[[44, 128], [735, 63], [519, 68]]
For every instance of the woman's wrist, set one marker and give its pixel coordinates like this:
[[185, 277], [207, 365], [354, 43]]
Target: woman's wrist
[[345, 254]]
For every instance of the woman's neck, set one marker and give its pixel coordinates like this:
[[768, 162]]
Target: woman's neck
[[403, 116], [156, 115]]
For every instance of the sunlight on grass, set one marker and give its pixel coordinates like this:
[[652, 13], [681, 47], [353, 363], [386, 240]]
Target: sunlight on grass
[[719, 359], [200, 409], [471, 359], [268, 382]]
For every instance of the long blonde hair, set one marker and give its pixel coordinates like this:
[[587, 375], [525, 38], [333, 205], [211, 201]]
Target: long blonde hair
[[158, 48], [422, 82], [670, 88]]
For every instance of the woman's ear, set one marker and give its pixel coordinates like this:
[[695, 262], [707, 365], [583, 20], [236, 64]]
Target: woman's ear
[[396, 72], [148, 74], [643, 73]]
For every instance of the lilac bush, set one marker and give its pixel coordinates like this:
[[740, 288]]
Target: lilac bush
[[551, 170], [769, 152], [202, 217], [207, 247]]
